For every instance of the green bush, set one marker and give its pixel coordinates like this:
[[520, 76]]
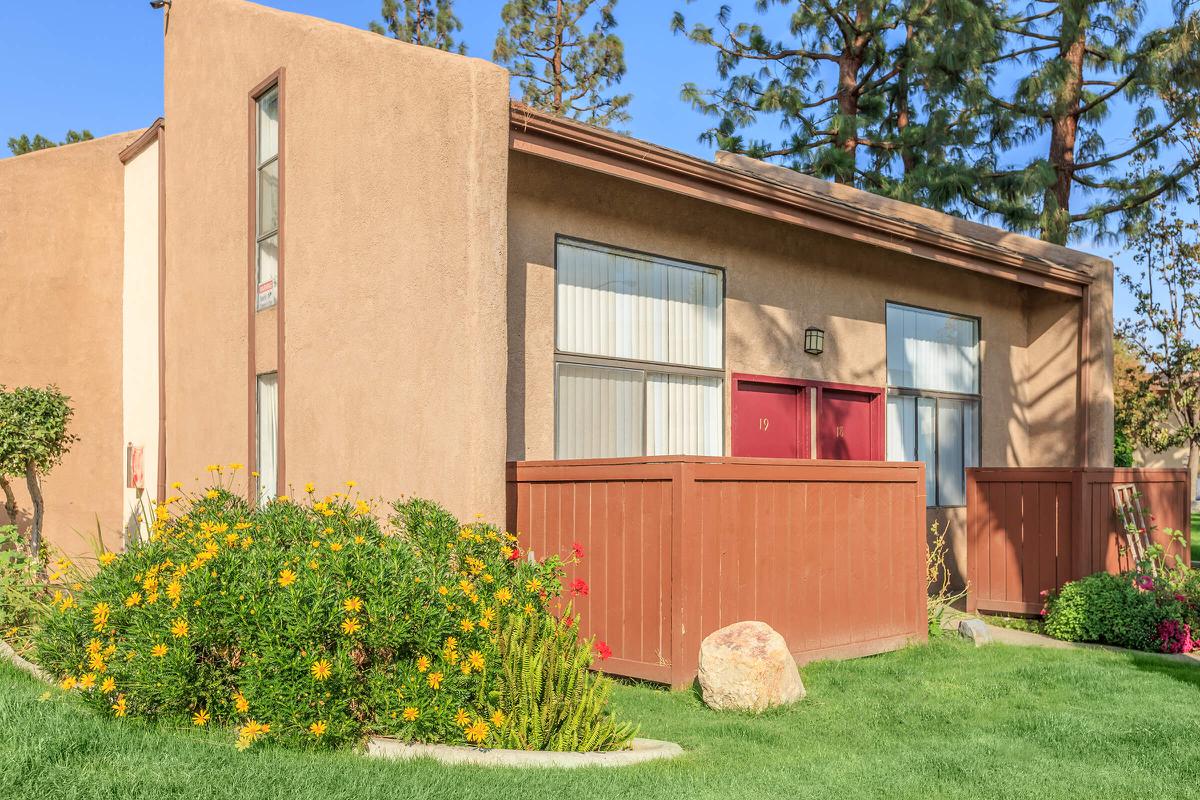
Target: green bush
[[1112, 609], [306, 622], [550, 698]]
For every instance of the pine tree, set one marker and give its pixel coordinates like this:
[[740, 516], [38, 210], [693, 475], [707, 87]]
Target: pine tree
[[563, 69], [859, 86], [1076, 61], [20, 145], [430, 23]]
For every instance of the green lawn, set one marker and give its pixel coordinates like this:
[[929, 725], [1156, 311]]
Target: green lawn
[[941, 721]]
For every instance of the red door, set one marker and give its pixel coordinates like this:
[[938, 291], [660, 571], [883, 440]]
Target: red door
[[767, 420], [846, 425]]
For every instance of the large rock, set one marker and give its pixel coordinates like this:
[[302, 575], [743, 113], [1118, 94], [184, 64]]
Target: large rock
[[747, 666]]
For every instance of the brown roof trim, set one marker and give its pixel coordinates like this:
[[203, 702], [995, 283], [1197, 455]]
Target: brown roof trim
[[142, 142], [539, 134]]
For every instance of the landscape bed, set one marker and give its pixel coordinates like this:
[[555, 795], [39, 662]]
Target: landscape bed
[[940, 720]]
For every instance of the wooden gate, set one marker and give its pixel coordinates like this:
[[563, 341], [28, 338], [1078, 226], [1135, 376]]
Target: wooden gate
[[1030, 530]]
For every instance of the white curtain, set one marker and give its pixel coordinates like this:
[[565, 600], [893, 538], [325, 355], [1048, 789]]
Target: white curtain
[[683, 415], [598, 412], [625, 305], [933, 351], [268, 435]]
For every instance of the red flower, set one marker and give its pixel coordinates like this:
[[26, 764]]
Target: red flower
[[568, 622], [577, 549], [515, 555], [578, 587], [604, 650]]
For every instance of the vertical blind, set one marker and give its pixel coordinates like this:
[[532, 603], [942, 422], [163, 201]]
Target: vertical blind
[[267, 423], [624, 305], [654, 315], [267, 199], [937, 353], [933, 351], [599, 412]]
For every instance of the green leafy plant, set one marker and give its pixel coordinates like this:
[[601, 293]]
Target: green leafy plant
[[550, 698], [1123, 610], [306, 621], [34, 436]]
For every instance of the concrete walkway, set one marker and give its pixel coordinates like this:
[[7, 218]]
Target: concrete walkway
[[1027, 639]]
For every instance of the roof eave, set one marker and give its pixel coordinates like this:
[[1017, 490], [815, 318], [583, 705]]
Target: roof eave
[[589, 147]]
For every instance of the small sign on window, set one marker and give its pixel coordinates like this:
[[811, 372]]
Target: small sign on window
[[266, 294]]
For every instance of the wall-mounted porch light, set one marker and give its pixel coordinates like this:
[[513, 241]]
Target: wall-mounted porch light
[[814, 341]]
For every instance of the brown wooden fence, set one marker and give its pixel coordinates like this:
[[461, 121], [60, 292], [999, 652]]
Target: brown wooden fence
[[1031, 530], [829, 553]]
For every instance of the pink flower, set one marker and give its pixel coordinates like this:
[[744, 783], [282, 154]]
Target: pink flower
[[1181, 598], [578, 587], [577, 549], [1175, 637], [1145, 583], [603, 650]]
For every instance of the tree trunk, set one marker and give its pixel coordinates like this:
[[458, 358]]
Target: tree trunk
[[1064, 128], [847, 99], [558, 59], [35, 494], [10, 500], [902, 110], [1193, 471]]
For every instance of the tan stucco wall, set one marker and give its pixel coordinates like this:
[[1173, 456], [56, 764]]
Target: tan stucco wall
[[139, 316], [781, 279], [60, 268], [394, 255]]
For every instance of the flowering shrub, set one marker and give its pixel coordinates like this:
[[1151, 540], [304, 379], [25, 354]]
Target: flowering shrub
[[305, 622], [1128, 610]]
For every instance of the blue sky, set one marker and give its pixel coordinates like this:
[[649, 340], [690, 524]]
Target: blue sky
[[97, 64]]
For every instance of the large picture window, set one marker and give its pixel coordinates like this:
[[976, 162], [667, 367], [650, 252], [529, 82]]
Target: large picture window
[[933, 397], [267, 199], [639, 355]]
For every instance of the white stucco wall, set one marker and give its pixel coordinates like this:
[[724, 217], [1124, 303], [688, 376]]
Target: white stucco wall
[[139, 302]]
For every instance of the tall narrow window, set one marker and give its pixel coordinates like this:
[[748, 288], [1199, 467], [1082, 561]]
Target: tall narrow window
[[933, 397], [267, 199], [267, 425], [640, 355]]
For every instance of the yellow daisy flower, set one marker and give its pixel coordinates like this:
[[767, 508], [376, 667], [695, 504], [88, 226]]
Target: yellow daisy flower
[[321, 669]]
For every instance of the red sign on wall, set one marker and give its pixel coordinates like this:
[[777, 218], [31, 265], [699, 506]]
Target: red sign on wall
[[134, 466]]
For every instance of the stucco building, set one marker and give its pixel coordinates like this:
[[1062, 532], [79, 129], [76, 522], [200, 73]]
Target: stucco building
[[344, 257]]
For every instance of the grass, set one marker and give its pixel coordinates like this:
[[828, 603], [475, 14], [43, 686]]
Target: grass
[[945, 720]]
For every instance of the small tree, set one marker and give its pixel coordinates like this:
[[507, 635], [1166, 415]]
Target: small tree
[[430, 23], [562, 69], [20, 145], [34, 437], [1161, 405]]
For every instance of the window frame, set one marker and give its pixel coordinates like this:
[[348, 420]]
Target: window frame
[[937, 395], [636, 365], [257, 168]]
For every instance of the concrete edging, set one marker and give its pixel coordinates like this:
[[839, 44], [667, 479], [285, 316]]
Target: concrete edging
[[14, 658], [642, 750]]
